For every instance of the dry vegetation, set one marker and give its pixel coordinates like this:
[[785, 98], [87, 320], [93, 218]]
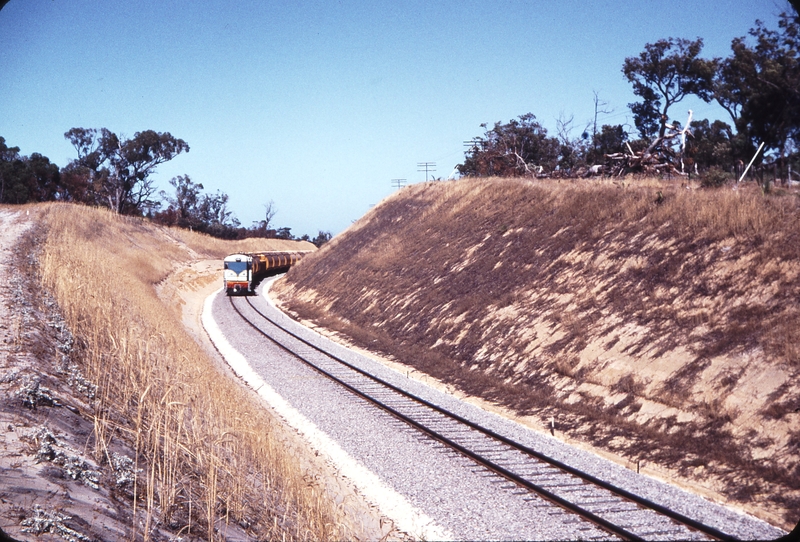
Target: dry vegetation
[[653, 320], [206, 456]]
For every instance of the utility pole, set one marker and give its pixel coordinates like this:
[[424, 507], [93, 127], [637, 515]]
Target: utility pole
[[398, 183], [426, 167], [475, 142]]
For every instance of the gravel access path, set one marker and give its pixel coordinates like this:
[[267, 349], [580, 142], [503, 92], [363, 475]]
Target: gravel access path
[[430, 492]]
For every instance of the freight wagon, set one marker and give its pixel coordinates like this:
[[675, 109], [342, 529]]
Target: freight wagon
[[241, 272]]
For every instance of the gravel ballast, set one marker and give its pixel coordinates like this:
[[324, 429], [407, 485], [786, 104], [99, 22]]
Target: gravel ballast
[[430, 492]]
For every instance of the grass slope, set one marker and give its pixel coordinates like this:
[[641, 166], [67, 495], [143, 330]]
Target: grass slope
[[655, 322], [206, 455]]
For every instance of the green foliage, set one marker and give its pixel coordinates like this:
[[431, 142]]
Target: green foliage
[[662, 75], [714, 177], [185, 203], [321, 238], [213, 210], [116, 172], [518, 148], [609, 140], [284, 233], [759, 85], [44, 178], [24, 179], [711, 145], [191, 208]]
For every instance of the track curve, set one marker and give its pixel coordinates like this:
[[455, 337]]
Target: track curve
[[613, 509]]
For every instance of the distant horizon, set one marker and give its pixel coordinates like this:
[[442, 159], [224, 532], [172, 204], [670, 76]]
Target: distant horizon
[[319, 106]]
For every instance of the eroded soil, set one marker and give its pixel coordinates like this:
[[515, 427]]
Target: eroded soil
[[663, 332], [53, 483], [51, 487]]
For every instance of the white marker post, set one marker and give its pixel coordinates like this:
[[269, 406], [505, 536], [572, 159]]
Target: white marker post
[[751, 162]]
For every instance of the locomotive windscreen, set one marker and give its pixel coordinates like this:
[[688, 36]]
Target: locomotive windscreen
[[236, 267]]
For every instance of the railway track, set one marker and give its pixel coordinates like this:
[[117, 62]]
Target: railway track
[[613, 509]]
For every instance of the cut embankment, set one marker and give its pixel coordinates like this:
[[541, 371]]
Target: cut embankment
[[200, 458], [655, 322]]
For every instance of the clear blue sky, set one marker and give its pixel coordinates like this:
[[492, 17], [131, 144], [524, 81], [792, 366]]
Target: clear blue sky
[[317, 105]]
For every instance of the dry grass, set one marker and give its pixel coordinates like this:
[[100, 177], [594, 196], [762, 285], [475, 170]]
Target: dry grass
[[207, 456], [217, 248], [528, 292]]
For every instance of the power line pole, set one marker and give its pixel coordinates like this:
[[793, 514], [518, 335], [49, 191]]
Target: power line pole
[[398, 183], [475, 142], [426, 167]]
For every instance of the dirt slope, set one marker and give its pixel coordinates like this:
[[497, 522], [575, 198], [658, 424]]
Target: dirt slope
[[50, 488], [72, 463], [654, 322]]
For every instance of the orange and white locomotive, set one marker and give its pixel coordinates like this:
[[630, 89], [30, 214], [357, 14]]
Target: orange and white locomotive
[[241, 272]]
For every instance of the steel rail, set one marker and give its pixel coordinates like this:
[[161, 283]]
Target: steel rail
[[489, 464], [597, 520], [644, 502]]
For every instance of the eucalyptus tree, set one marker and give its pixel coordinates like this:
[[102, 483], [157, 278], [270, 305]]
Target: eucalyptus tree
[[10, 166], [609, 140], [186, 202], [759, 86], [665, 73], [519, 147], [118, 170], [27, 178]]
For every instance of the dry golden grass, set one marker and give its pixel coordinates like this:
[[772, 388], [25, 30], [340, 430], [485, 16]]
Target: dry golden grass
[[550, 298], [207, 455], [219, 248]]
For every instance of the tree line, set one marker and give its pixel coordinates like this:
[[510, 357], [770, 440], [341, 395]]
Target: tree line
[[758, 85], [116, 172]]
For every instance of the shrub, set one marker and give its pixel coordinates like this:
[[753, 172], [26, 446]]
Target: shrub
[[714, 177]]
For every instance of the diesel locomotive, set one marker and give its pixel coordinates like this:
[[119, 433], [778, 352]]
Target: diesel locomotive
[[241, 272]]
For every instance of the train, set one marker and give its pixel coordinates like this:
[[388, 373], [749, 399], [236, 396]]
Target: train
[[241, 272]]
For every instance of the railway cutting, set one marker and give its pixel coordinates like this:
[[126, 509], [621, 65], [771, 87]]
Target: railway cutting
[[587, 505]]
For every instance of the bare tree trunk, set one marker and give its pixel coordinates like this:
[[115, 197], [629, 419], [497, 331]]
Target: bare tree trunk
[[521, 162]]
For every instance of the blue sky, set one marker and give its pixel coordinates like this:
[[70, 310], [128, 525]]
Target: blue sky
[[317, 106]]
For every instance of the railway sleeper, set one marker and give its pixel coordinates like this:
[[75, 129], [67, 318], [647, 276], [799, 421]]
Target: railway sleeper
[[659, 532], [621, 510], [631, 514], [487, 451], [547, 481], [595, 505], [567, 489]]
